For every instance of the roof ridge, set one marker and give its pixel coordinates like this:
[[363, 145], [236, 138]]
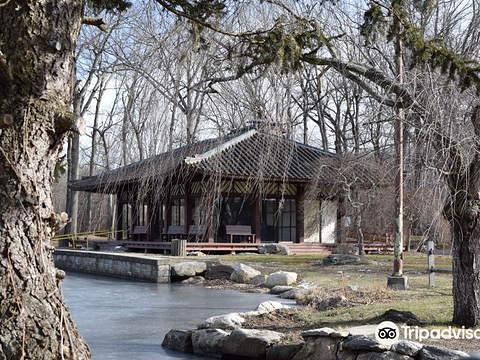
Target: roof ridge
[[217, 149]]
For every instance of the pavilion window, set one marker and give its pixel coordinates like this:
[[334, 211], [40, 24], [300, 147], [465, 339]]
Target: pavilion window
[[143, 215], [178, 212]]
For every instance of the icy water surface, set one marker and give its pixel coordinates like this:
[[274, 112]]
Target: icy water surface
[[123, 319]]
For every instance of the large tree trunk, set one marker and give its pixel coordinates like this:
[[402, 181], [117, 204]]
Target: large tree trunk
[[37, 41], [466, 276]]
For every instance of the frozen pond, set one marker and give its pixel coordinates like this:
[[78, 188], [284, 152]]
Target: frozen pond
[[123, 319]]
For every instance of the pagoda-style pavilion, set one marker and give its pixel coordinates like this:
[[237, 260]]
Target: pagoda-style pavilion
[[250, 186]]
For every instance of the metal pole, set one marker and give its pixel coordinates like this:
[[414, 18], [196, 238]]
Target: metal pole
[[398, 252], [397, 280]]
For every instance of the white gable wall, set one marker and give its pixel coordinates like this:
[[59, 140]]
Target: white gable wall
[[312, 221], [329, 221]]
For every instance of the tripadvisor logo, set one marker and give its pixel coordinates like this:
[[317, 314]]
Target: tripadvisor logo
[[387, 333]]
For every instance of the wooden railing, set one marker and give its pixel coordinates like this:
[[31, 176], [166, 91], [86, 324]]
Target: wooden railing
[[372, 237], [110, 235]]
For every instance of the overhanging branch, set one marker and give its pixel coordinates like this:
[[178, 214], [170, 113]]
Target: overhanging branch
[[98, 22]]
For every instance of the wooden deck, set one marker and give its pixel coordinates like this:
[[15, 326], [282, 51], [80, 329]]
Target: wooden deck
[[205, 247]]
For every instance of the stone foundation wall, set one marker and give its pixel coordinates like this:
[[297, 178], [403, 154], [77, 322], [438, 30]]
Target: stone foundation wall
[[118, 265]]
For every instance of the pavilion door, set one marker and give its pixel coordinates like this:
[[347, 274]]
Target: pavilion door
[[269, 220], [278, 220]]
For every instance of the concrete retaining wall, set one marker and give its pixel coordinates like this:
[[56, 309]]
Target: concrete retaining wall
[[119, 265]]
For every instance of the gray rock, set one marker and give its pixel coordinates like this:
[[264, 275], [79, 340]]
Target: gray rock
[[259, 280], [332, 303], [196, 253], [292, 294], [178, 340], [387, 355], [321, 348], [218, 271], [340, 334], [322, 332], [250, 343], [280, 289], [209, 342], [225, 322], [347, 355], [344, 259], [353, 288], [283, 352], [188, 269], [281, 278], [269, 306], [362, 342], [406, 347], [195, 280], [401, 317], [345, 249], [243, 274], [439, 353], [279, 249]]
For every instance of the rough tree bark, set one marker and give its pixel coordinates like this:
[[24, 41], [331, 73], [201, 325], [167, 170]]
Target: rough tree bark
[[463, 212], [37, 42]]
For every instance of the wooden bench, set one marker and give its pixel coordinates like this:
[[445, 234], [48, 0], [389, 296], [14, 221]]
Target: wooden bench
[[175, 230], [197, 232], [240, 230], [139, 231]]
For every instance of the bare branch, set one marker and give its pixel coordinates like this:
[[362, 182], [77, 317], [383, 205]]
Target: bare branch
[[98, 22]]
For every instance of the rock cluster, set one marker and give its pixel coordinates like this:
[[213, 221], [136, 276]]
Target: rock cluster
[[223, 336], [328, 344]]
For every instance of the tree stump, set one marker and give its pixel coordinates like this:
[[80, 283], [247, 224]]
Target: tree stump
[[179, 247]]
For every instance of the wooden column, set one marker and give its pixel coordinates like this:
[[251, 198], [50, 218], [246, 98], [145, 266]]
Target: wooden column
[[257, 217], [209, 200], [188, 207], [300, 213], [118, 218]]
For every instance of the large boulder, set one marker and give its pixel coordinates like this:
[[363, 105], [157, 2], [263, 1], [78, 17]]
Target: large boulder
[[280, 289], [440, 353], [178, 340], [332, 303], [250, 343], [225, 322], [243, 274], [209, 342], [406, 347], [269, 306], [401, 317], [188, 269], [281, 278], [362, 342], [279, 249], [218, 271], [259, 280], [283, 352], [293, 294], [319, 348], [387, 355]]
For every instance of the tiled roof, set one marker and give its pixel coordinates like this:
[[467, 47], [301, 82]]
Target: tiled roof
[[250, 154]]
